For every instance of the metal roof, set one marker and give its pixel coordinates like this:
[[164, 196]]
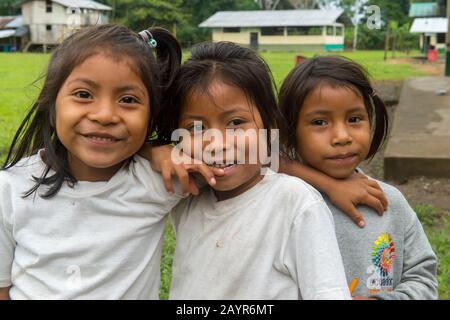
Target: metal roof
[[273, 18], [423, 9], [16, 23], [429, 25], [83, 4], [7, 33], [5, 20]]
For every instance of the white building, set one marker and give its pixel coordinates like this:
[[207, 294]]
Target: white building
[[432, 30], [49, 20], [13, 34], [304, 30]]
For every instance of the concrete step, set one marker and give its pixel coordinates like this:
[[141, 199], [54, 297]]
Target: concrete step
[[419, 143]]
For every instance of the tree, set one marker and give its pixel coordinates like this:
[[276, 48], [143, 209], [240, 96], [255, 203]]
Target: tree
[[390, 11], [197, 11], [184, 16], [141, 14], [275, 4], [353, 9], [305, 4], [8, 8]]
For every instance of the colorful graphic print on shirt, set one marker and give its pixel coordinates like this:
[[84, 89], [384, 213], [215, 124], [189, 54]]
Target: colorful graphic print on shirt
[[381, 270]]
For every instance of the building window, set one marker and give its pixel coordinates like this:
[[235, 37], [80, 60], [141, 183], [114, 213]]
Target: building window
[[48, 6], [339, 31], [441, 38], [232, 30], [48, 27], [304, 31], [330, 31], [297, 31], [272, 31]]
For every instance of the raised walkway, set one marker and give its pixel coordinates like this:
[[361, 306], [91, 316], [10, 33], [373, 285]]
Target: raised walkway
[[419, 143]]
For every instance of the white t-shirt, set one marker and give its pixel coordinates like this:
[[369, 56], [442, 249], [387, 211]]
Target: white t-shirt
[[274, 241], [98, 240]]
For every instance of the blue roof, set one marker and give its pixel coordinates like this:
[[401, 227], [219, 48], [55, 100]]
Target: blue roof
[[424, 9]]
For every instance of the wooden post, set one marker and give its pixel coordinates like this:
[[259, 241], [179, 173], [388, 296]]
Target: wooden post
[[386, 41], [447, 54], [355, 36]]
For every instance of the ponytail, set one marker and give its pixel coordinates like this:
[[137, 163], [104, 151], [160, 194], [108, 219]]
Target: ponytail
[[168, 54], [380, 124]]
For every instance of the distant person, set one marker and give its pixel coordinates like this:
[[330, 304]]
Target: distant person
[[336, 121]]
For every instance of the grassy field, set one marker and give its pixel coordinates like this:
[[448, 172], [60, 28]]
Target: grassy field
[[282, 62], [19, 71]]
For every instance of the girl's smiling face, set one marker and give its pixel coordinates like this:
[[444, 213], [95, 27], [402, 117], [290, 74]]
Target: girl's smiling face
[[333, 130], [224, 107], [102, 116]]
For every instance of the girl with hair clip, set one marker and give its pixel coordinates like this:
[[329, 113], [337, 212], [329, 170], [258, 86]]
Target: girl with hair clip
[[81, 214], [336, 121], [252, 235]]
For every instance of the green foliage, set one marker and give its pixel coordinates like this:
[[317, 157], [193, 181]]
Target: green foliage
[[7, 8], [437, 226], [141, 14], [440, 241], [392, 10], [166, 261], [180, 16], [427, 214]]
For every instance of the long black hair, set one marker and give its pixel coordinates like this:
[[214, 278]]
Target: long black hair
[[235, 65], [156, 68], [338, 72]]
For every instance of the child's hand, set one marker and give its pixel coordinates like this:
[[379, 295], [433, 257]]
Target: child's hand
[[355, 190], [4, 293], [161, 160]]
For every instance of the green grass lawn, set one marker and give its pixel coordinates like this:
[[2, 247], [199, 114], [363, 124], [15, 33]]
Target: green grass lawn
[[18, 72], [282, 62], [17, 91]]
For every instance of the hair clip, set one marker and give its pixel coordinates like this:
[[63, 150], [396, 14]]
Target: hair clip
[[148, 37]]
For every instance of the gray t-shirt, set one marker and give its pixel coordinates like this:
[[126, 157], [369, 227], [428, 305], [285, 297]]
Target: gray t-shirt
[[391, 257]]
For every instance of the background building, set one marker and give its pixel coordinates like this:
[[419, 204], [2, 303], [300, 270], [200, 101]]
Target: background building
[[305, 30], [431, 23], [48, 21]]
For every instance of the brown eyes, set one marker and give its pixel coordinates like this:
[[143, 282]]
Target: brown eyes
[[321, 122], [355, 119], [129, 100], [82, 95], [318, 122]]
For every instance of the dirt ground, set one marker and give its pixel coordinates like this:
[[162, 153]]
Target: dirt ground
[[431, 68], [418, 190]]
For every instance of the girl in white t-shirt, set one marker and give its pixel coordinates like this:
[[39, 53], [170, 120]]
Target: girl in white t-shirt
[[253, 235], [81, 215]]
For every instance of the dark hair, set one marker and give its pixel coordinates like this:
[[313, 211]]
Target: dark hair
[[333, 71], [234, 65], [156, 69]]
